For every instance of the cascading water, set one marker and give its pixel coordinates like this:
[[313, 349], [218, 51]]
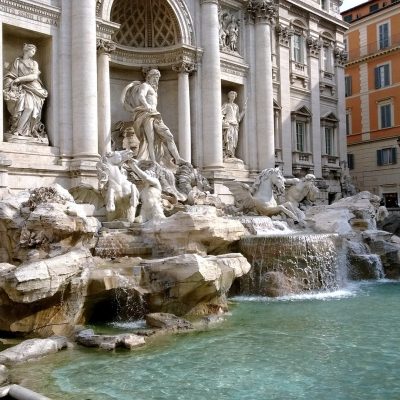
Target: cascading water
[[292, 263]]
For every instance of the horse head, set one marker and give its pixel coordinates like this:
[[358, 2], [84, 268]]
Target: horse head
[[118, 157], [272, 176]]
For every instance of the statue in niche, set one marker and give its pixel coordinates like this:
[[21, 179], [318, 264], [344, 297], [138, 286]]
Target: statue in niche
[[231, 117], [24, 95], [156, 140]]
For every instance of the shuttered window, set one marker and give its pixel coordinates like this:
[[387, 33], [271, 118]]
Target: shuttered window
[[350, 161], [383, 36], [348, 90], [382, 76], [386, 156]]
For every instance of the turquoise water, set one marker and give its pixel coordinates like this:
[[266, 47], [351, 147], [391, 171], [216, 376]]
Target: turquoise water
[[345, 345]]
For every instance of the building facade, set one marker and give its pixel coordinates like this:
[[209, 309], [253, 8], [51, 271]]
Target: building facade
[[285, 61], [373, 97]]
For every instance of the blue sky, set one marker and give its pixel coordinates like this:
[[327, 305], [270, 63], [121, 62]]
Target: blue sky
[[350, 4]]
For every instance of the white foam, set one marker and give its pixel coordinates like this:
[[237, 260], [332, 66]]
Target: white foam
[[138, 324]]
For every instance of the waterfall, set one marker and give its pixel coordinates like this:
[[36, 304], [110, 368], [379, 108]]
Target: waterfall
[[291, 263]]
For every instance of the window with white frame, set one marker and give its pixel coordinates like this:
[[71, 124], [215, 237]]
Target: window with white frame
[[386, 156], [327, 60], [345, 45], [385, 114], [301, 136], [383, 36], [330, 141], [382, 76], [301, 129], [298, 48], [348, 122]]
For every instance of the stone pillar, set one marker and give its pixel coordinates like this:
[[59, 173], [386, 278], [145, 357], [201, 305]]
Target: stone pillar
[[314, 47], [249, 120], [4, 165], [341, 140], [211, 87], [84, 80], [65, 82], [284, 33], [263, 14], [184, 126], [1, 84], [104, 49]]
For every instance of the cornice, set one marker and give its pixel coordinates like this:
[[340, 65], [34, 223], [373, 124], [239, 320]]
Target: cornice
[[31, 10], [372, 56]]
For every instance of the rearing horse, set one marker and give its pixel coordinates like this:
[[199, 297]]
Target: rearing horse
[[260, 197], [122, 196]]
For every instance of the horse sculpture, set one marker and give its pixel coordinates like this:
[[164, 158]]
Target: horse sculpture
[[122, 196], [259, 198]]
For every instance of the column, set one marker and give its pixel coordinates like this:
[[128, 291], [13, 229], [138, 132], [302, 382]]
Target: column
[[314, 47], [84, 80], [263, 14], [65, 82], [104, 49], [284, 34], [211, 86], [184, 126], [1, 84], [249, 120], [341, 57]]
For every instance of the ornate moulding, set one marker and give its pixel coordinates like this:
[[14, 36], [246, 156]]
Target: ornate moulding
[[161, 57], [40, 13]]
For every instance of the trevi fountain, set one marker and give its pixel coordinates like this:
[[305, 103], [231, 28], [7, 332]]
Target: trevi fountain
[[148, 281]]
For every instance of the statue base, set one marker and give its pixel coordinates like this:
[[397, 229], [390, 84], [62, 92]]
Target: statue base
[[10, 138]]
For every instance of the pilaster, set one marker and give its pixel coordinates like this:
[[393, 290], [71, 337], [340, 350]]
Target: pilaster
[[314, 46]]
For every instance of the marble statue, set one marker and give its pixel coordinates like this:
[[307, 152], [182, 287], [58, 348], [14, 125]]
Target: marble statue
[[260, 197], [233, 33], [24, 95], [150, 195], [231, 117], [122, 196], [302, 189], [123, 137], [156, 140]]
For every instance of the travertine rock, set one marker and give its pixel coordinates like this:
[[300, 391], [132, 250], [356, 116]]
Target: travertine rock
[[31, 349], [3, 374], [88, 338], [41, 223], [44, 297], [198, 231], [191, 284], [167, 321]]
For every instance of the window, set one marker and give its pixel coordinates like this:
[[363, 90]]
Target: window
[[348, 18], [385, 115], [348, 123], [324, 5], [348, 89], [327, 59], [329, 141], [374, 7], [350, 161], [300, 136], [297, 44], [391, 200], [382, 76], [386, 156], [383, 35], [345, 45]]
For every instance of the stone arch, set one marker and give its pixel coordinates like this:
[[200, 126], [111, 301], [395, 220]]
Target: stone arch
[[181, 15]]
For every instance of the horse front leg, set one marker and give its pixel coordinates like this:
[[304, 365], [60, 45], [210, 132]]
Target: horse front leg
[[134, 201], [288, 213]]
